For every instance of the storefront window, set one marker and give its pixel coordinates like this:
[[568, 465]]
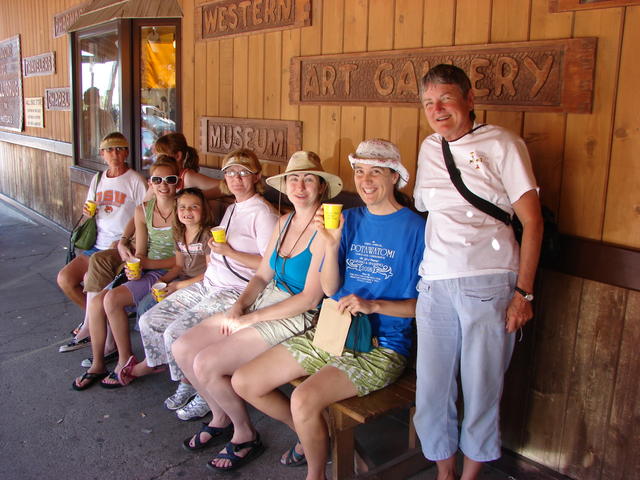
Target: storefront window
[[158, 108], [99, 83], [126, 78]]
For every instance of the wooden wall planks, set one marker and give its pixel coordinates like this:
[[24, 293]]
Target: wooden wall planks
[[578, 159]]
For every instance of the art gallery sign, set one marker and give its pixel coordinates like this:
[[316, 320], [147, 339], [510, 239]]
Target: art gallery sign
[[554, 75]]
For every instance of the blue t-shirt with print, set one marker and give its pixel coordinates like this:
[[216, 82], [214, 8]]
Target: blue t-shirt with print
[[379, 259]]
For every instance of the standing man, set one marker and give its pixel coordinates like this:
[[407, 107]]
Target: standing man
[[477, 283]]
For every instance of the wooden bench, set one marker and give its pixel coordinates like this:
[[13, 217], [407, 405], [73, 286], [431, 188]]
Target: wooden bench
[[347, 414]]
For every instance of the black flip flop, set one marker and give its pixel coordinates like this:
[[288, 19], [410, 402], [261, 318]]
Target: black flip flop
[[91, 377], [111, 376], [218, 435]]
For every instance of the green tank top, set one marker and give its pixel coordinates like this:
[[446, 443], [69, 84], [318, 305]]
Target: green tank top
[[160, 244]]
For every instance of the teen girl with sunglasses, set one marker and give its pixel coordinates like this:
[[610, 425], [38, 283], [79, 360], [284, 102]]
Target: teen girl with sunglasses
[[155, 249]]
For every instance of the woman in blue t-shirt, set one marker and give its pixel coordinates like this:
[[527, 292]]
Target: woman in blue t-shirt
[[371, 267]]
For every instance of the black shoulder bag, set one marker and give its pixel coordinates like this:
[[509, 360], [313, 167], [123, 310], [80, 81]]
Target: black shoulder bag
[[549, 251]]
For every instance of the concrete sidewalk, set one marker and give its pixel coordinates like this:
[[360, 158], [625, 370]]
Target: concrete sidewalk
[[49, 430]]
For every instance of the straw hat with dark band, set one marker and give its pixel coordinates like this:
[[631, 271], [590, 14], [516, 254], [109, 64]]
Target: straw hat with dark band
[[306, 162]]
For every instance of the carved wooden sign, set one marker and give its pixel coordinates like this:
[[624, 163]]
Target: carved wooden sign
[[271, 140], [44, 64], [11, 108], [223, 18], [63, 20], [554, 75], [58, 98], [569, 5]]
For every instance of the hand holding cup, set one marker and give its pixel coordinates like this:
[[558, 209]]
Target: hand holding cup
[[89, 208], [133, 269]]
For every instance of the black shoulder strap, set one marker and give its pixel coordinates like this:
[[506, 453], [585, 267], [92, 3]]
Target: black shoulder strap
[[478, 202]]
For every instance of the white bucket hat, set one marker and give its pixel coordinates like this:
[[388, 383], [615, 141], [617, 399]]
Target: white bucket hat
[[306, 162], [380, 153]]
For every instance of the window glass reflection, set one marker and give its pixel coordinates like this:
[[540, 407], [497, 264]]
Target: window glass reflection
[[158, 86], [101, 98]]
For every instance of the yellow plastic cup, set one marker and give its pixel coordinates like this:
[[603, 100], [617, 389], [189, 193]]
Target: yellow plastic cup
[[158, 291], [135, 270], [219, 234], [91, 206], [331, 215]]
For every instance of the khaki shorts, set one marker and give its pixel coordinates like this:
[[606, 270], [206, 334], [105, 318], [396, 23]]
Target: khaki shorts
[[274, 332], [369, 371], [103, 267]]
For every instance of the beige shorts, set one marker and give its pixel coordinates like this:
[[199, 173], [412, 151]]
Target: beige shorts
[[103, 267], [275, 331]]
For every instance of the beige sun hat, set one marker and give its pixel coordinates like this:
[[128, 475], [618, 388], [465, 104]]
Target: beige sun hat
[[114, 141], [306, 162], [380, 153], [244, 158]]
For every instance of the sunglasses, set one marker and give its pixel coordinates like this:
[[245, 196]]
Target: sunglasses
[[240, 173], [169, 179], [114, 149]]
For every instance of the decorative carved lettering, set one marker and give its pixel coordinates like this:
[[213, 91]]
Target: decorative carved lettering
[[549, 75], [235, 17], [44, 64], [63, 20], [271, 140], [11, 108], [58, 98], [569, 5]]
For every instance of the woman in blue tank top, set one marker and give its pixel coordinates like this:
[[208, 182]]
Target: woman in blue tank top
[[279, 302]]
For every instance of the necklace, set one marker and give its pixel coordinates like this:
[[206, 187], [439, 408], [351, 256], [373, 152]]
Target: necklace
[[160, 213], [285, 257]]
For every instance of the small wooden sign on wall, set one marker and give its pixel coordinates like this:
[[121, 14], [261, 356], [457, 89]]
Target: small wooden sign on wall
[[224, 18], [43, 64], [58, 98], [271, 140], [34, 115], [550, 75]]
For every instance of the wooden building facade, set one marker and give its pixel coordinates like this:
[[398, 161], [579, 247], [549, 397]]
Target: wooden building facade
[[572, 400]]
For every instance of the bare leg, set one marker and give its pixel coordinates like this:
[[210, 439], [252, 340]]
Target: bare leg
[[258, 381], [70, 278], [308, 402], [98, 331], [84, 330], [213, 368], [447, 468], [115, 302], [471, 469]]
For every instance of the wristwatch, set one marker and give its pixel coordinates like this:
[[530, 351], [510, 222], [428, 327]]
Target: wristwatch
[[527, 296]]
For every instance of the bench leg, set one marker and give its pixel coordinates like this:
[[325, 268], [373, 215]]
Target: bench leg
[[342, 446]]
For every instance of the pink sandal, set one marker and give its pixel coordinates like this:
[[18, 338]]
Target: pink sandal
[[125, 375]]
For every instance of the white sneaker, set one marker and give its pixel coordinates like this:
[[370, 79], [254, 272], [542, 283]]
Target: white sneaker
[[196, 408], [184, 393]]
